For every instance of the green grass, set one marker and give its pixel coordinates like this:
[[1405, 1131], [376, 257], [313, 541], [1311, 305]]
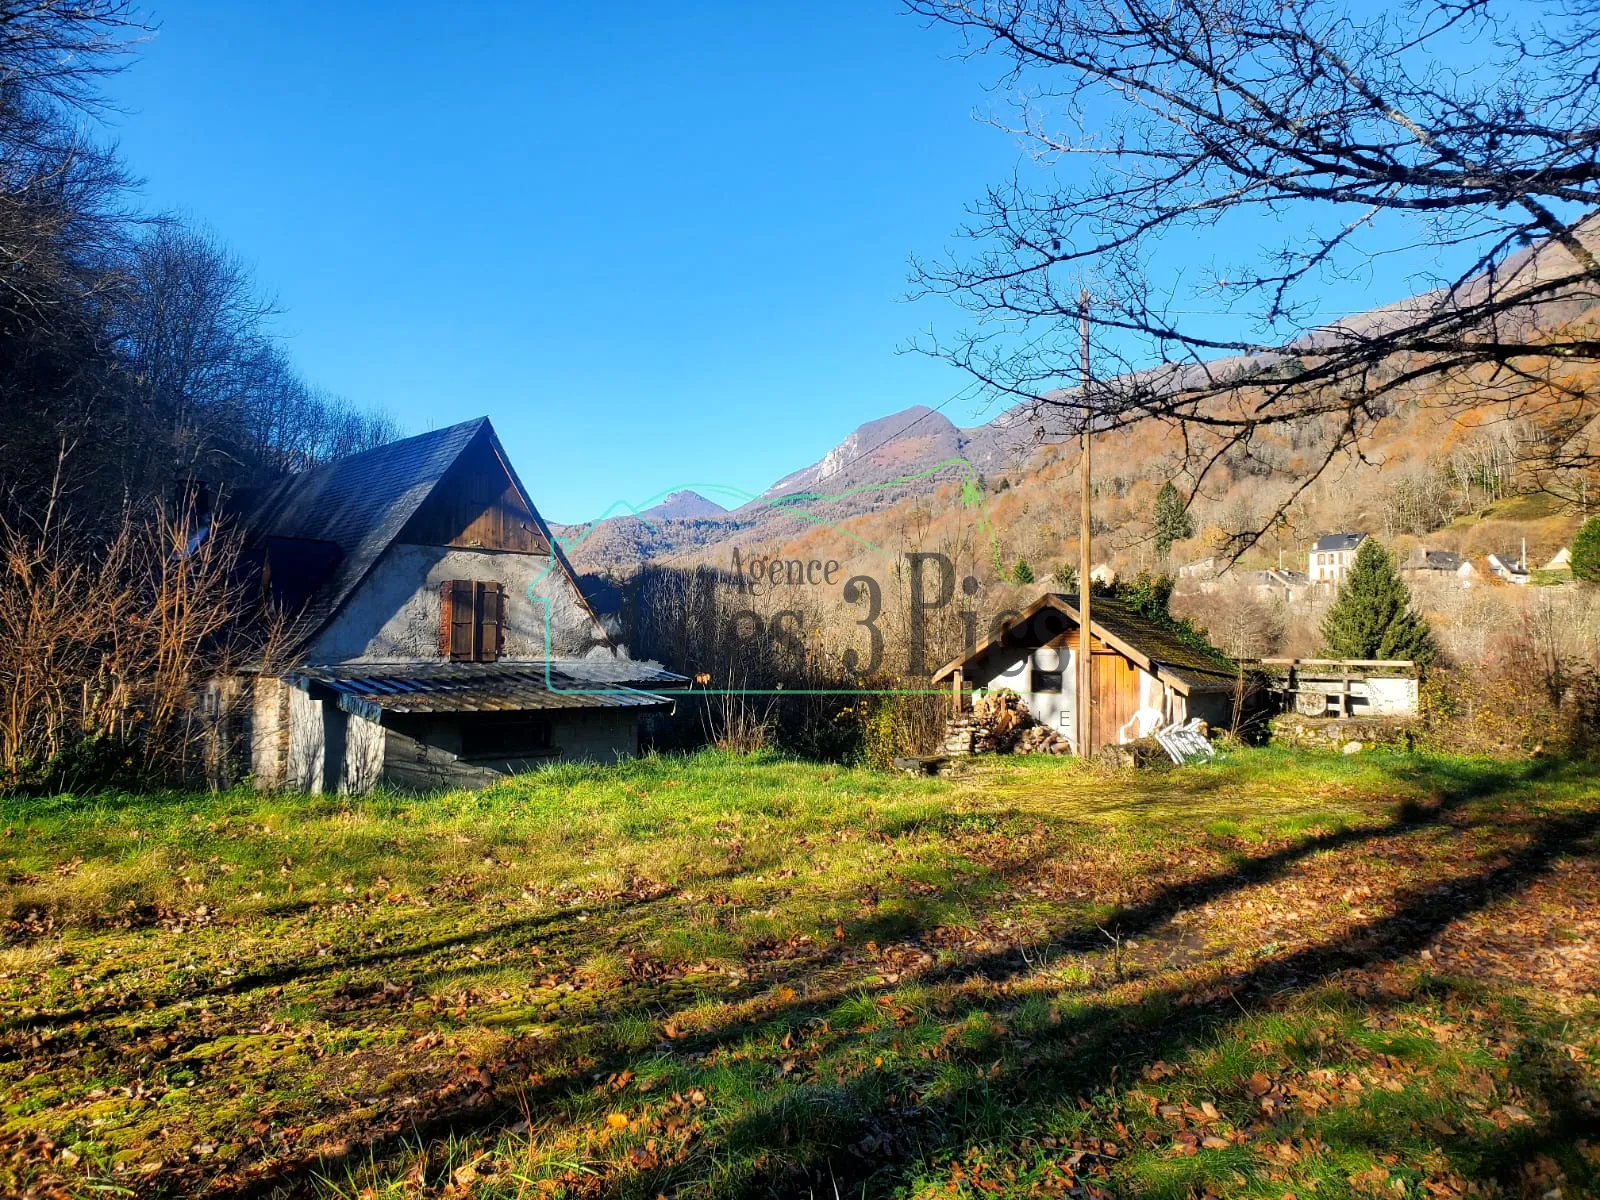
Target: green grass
[[1531, 507], [1368, 975]]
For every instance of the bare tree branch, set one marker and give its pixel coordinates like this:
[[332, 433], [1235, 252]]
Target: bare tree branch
[[1458, 131]]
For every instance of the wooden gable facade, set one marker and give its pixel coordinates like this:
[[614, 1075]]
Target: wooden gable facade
[[476, 506]]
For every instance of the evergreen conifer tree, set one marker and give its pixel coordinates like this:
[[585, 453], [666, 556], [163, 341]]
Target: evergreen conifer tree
[[1586, 551], [1373, 617], [1171, 519], [1022, 572]]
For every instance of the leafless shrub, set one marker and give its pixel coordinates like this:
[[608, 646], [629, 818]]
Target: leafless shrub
[[104, 645], [1535, 686], [737, 721], [1237, 623]]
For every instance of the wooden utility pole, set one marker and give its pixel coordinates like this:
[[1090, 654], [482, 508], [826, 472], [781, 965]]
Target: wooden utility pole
[[1085, 687]]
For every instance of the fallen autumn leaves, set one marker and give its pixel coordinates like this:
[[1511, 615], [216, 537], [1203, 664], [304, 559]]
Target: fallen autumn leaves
[[664, 979]]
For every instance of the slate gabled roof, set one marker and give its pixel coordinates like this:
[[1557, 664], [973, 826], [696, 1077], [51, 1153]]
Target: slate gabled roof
[[1437, 560], [1339, 541], [1158, 650], [359, 504]]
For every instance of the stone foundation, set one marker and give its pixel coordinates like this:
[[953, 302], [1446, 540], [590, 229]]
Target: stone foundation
[[1334, 733]]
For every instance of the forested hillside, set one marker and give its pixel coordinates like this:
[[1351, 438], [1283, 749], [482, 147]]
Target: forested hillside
[[137, 354], [1476, 481]]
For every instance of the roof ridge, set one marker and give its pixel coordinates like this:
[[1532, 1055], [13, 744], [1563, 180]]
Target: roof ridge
[[360, 504]]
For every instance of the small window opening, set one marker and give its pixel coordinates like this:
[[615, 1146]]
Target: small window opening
[[508, 735]]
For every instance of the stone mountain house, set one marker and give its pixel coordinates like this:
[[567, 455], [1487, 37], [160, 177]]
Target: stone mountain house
[[441, 638], [1332, 555]]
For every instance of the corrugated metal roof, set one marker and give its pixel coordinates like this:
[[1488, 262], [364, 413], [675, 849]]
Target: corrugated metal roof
[[560, 685]]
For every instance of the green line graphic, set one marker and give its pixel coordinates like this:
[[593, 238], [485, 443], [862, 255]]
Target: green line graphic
[[972, 497]]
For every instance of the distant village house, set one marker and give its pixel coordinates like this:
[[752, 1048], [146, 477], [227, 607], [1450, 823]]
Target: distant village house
[[1332, 556], [1439, 564], [1510, 566]]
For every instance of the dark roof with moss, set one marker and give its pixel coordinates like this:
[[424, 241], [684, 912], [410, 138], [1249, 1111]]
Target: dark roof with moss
[[1198, 666], [1166, 653]]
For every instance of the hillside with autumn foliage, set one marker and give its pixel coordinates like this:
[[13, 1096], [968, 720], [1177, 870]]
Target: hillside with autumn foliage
[[1001, 502]]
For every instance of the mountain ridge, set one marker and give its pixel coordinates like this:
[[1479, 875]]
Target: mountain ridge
[[685, 505], [887, 459]]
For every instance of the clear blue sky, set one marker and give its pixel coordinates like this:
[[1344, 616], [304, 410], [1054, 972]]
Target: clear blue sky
[[657, 244], [654, 243]]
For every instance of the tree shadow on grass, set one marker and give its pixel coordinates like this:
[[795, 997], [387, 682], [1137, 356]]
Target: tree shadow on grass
[[299, 970], [1092, 1047], [855, 1133], [1098, 1043]]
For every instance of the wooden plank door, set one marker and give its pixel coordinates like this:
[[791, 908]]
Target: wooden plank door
[[1116, 695]]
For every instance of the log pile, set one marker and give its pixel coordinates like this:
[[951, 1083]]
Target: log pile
[[1000, 723], [1041, 739]]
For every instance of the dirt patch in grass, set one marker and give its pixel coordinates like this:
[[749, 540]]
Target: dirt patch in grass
[[739, 977]]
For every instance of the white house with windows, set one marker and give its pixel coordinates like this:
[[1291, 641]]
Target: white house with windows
[[1332, 556]]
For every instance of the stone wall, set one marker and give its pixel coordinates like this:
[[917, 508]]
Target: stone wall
[[269, 732], [1333, 733]]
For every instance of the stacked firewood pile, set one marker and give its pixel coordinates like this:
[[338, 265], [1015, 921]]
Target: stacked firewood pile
[[1041, 739], [1000, 723]]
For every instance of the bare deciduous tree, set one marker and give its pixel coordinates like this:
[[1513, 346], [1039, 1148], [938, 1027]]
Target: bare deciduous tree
[[193, 328], [1465, 132], [104, 641], [134, 352]]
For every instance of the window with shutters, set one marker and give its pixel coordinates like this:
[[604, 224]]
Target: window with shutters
[[472, 620]]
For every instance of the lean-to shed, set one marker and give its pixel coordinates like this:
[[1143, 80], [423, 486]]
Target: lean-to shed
[[1144, 674]]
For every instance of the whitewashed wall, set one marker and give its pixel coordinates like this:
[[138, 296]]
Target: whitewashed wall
[[363, 755], [394, 615], [307, 764], [1057, 709]]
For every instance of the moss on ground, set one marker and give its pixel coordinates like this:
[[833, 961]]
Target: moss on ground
[[1371, 975]]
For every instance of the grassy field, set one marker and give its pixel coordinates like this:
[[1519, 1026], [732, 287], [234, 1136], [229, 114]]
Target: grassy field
[[1311, 977]]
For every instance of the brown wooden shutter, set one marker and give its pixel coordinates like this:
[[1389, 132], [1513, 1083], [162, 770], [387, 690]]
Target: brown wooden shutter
[[490, 635], [462, 623], [446, 590], [500, 624]]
